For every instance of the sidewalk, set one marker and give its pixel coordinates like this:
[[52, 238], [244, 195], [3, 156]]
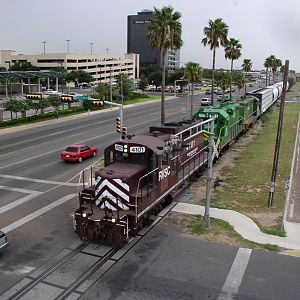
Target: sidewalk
[[248, 228]]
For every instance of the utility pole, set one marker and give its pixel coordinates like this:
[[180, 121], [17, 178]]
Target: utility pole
[[107, 49], [206, 217], [278, 138], [110, 88], [68, 46], [44, 42], [91, 47]]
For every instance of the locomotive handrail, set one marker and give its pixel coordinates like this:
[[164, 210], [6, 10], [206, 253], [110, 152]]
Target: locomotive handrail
[[137, 190]]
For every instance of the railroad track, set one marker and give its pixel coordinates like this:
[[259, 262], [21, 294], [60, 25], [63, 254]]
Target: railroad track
[[59, 280]]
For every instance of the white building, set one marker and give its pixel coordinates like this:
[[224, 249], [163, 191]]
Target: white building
[[100, 66]]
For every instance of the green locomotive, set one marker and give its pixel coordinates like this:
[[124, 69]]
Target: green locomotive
[[232, 119]]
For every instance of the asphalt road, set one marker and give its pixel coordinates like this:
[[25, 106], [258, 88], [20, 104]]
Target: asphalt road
[[37, 191]]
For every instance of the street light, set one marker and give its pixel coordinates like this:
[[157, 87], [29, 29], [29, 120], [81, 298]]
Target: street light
[[9, 75], [91, 47], [68, 45], [44, 42]]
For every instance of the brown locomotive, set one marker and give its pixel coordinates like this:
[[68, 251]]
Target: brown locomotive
[[141, 174]]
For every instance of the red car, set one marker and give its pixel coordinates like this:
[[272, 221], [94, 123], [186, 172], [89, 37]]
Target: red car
[[78, 153]]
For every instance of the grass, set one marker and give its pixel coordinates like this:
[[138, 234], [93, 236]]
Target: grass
[[246, 183], [222, 231]]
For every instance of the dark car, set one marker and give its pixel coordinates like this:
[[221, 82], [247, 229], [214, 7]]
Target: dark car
[[78, 153], [3, 241]]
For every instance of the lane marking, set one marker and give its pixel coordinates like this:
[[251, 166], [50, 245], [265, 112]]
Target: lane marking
[[36, 180], [14, 189], [18, 202], [79, 142], [235, 275], [38, 213]]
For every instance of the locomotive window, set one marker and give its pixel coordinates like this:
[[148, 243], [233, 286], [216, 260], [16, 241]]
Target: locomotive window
[[109, 157], [121, 156], [137, 158]]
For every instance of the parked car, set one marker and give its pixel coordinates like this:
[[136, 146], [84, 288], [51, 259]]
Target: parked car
[[78, 153], [205, 102], [3, 241], [223, 98]]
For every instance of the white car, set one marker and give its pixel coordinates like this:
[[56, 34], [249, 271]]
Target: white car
[[205, 102], [3, 241]]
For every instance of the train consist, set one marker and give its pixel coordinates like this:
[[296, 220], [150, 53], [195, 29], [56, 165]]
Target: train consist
[[143, 173], [234, 118]]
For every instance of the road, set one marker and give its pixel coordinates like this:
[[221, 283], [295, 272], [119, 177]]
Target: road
[[37, 191]]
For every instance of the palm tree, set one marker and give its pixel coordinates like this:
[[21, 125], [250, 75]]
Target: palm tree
[[193, 73], [233, 52], [246, 66], [267, 65], [215, 35], [164, 32], [277, 64]]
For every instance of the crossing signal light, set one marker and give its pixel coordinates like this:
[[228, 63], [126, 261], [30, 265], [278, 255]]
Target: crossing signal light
[[118, 124], [67, 98], [34, 96]]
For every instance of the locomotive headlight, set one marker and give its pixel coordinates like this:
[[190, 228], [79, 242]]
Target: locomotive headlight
[[125, 146], [125, 150], [84, 215], [113, 220]]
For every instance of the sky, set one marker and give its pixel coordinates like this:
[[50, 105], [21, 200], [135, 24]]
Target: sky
[[263, 27]]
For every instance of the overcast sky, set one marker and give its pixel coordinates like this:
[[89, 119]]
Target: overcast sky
[[263, 27]]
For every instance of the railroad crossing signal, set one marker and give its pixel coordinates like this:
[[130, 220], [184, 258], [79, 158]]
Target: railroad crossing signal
[[66, 98], [34, 96], [118, 124]]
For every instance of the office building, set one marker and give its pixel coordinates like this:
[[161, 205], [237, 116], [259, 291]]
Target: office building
[[137, 42]]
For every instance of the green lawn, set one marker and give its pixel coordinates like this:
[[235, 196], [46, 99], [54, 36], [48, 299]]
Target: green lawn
[[246, 182]]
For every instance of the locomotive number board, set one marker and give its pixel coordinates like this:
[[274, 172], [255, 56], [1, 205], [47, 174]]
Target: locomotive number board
[[137, 150]]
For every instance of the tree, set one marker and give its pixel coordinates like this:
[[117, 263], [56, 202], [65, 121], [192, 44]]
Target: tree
[[233, 52], [177, 75], [124, 85], [246, 66], [215, 35], [224, 81], [41, 104], [54, 101], [164, 32], [193, 75], [23, 66], [103, 90], [239, 79], [277, 64], [267, 65], [143, 83], [155, 78], [79, 77], [12, 105]]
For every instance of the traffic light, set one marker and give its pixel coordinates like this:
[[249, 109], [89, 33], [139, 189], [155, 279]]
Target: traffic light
[[66, 98], [118, 124], [34, 96], [124, 132]]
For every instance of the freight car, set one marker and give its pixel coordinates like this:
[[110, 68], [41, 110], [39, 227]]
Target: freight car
[[268, 96], [141, 174]]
